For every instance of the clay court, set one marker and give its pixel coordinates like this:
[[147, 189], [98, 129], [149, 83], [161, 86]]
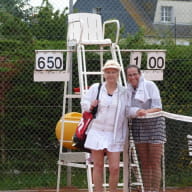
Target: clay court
[[75, 189]]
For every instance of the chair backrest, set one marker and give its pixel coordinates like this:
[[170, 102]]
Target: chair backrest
[[84, 27]]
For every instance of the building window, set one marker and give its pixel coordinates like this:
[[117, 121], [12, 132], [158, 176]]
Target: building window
[[166, 14], [97, 10]]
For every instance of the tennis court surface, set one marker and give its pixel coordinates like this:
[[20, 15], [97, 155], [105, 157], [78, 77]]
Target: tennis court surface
[[75, 189]]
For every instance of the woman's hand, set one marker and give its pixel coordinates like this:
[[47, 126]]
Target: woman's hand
[[141, 112], [94, 104]]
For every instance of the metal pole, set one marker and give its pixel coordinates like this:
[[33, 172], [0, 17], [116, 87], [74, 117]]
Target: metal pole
[[175, 31], [69, 175], [70, 66], [70, 6]]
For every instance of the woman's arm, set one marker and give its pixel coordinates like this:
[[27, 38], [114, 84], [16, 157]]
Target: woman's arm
[[156, 104], [143, 112], [88, 100]]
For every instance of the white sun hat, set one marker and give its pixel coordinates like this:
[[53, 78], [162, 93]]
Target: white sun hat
[[111, 64]]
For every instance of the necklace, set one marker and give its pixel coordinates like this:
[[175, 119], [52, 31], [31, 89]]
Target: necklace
[[111, 89]]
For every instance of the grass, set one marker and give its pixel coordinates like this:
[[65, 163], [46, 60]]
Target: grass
[[182, 179], [48, 179], [31, 180]]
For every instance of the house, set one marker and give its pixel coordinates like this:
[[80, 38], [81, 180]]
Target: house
[[159, 18], [174, 17]]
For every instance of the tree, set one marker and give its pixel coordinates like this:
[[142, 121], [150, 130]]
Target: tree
[[49, 25], [14, 7], [14, 28]]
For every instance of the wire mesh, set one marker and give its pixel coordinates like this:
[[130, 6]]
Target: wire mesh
[[30, 110], [175, 159]]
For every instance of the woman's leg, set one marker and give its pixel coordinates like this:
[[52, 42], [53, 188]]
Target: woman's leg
[[155, 155], [143, 153], [98, 160], [113, 159]]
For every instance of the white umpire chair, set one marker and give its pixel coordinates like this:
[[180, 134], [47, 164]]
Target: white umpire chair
[[87, 29]]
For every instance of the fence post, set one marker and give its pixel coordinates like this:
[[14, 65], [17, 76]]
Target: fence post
[[69, 175]]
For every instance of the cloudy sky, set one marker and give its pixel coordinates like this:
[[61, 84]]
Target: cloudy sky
[[57, 4]]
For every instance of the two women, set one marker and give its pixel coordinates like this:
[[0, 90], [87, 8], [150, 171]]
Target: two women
[[107, 132]]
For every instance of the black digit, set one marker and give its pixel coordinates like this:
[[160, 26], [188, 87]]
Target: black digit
[[136, 60], [152, 62], [58, 63], [41, 63], [50, 63], [160, 62]]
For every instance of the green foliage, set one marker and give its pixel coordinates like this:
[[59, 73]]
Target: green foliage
[[13, 7], [135, 41], [48, 25], [111, 30], [176, 88], [28, 180], [180, 180], [14, 28]]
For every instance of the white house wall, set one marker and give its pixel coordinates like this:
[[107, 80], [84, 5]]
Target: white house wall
[[182, 12]]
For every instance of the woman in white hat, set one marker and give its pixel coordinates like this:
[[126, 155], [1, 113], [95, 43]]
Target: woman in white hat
[[107, 132]]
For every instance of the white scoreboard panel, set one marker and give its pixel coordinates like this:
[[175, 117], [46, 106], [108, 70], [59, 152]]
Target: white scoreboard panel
[[155, 63], [49, 60], [49, 66]]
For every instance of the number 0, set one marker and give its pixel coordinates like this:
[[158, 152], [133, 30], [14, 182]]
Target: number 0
[[58, 63], [152, 62], [156, 62], [160, 62]]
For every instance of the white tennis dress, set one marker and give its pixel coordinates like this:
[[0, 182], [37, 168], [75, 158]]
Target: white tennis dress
[[108, 129]]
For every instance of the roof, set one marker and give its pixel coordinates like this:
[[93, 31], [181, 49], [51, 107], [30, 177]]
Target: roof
[[142, 12], [134, 14], [176, 31], [110, 9]]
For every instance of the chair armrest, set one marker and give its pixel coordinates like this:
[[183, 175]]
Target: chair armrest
[[81, 25], [118, 29]]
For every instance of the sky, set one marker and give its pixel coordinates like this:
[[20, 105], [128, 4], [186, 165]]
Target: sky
[[57, 4]]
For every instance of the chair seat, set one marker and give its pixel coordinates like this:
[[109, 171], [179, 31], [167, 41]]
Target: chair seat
[[97, 42]]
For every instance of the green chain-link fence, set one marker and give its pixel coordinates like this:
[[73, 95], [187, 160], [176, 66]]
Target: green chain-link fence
[[30, 110]]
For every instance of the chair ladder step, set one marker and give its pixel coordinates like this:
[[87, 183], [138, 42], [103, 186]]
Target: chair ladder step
[[92, 73]]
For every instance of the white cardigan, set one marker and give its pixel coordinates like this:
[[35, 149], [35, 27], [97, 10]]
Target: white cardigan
[[120, 123], [147, 96]]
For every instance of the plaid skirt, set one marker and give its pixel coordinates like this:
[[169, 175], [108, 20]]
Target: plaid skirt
[[148, 130]]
